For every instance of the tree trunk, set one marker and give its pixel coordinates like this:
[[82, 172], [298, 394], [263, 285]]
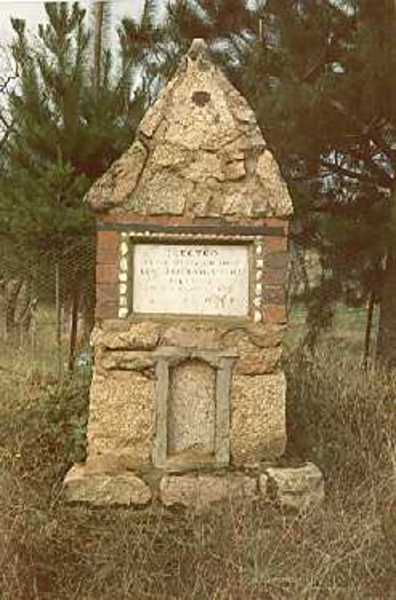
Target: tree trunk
[[386, 345], [101, 18], [98, 42], [88, 314], [12, 293]]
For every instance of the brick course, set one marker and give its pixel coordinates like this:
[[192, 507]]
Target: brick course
[[107, 246]]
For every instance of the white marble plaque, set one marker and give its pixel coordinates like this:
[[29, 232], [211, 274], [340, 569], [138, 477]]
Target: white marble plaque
[[191, 279]]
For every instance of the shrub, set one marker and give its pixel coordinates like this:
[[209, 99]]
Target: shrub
[[44, 429]]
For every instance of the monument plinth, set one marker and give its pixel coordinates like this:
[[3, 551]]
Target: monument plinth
[[188, 393]]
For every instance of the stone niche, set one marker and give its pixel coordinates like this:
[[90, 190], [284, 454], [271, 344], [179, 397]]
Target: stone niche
[[192, 226]]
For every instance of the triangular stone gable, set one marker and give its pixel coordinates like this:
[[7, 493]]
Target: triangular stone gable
[[198, 153]]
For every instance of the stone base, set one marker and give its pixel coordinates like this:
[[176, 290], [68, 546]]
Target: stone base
[[297, 488], [290, 488], [202, 491], [103, 489]]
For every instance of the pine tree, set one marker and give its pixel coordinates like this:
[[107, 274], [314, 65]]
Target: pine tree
[[319, 76], [68, 127]]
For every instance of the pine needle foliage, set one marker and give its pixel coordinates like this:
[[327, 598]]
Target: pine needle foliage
[[320, 78], [68, 129]]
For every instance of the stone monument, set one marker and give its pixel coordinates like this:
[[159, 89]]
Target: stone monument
[[188, 396]]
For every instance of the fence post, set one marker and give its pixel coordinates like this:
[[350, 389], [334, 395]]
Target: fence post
[[369, 323], [58, 321], [74, 325]]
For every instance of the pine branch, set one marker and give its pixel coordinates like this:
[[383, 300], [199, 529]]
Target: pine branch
[[148, 14], [8, 126], [337, 169], [8, 131], [381, 175], [366, 132]]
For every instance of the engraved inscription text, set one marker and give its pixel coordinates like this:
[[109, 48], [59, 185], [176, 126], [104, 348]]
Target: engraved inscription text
[[191, 279]]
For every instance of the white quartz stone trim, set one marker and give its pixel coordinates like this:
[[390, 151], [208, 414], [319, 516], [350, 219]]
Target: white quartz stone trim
[[123, 276], [124, 248], [193, 236], [124, 264], [258, 289]]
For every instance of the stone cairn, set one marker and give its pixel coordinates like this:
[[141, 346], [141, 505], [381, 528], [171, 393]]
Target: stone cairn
[[187, 401]]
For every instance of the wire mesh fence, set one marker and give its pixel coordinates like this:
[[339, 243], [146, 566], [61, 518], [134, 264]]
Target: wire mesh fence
[[47, 301], [47, 304]]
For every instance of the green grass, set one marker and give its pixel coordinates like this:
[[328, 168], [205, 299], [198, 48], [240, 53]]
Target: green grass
[[348, 329], [36, 355]]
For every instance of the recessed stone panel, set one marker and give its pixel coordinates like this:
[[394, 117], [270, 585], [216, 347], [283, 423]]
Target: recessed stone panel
[[192, 410]]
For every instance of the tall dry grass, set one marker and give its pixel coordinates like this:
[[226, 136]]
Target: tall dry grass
[[341, 416], [338, 416]]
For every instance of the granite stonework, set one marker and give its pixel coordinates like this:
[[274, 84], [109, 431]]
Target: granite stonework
[[199, 152], [118, 426], [202, 491], [299, 488], [187, 402], [106, 489], [258, 417]]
